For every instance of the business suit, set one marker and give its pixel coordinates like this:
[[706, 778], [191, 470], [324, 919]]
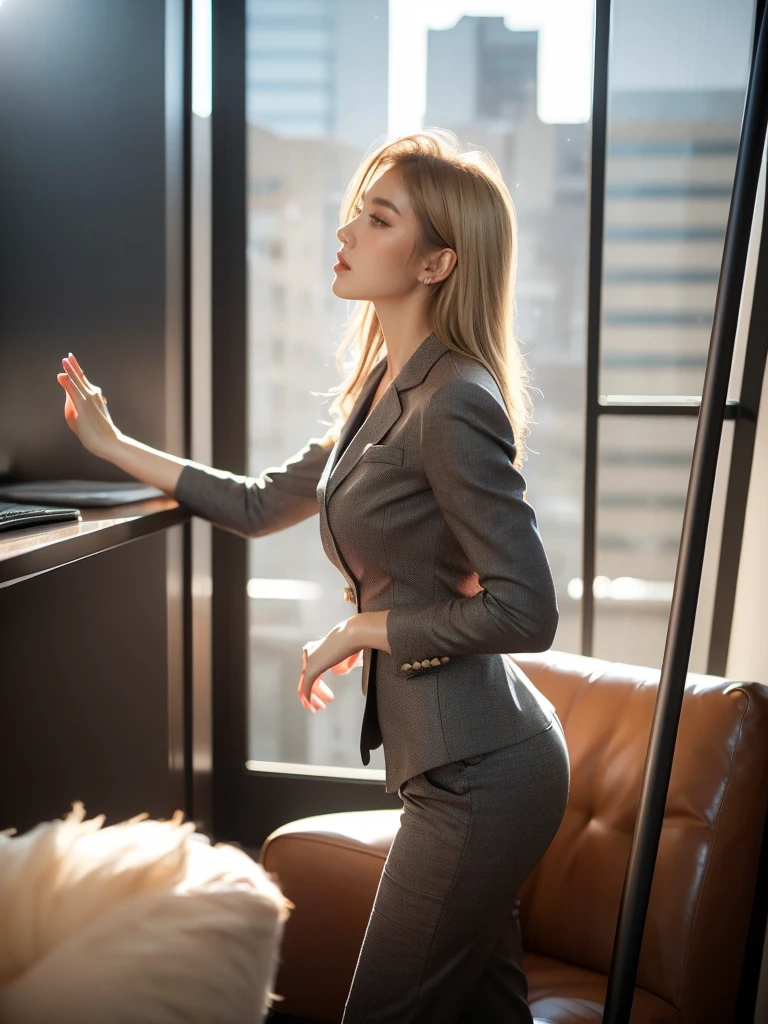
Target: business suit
[[423, 514]]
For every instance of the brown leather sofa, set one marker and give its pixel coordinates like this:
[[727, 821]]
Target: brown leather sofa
[[702, 894]]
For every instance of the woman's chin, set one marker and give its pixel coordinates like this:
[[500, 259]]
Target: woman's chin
[[340, 287]]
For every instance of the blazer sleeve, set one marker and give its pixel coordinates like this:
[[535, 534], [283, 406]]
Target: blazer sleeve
[[279, 497], [468, 450]]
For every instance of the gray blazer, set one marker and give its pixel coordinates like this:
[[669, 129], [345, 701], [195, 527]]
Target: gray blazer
[[423, 514]]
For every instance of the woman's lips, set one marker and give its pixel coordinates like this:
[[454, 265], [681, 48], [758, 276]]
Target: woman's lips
[[340, 266]]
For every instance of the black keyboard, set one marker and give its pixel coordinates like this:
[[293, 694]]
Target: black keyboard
[[14, 514]]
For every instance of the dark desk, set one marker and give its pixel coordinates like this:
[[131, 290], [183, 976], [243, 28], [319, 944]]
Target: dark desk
[[92, 662], [31, 550]]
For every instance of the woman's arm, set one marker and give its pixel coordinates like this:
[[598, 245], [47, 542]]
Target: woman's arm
[[252, 506], [158, 469], [278, 497], [468, 451]]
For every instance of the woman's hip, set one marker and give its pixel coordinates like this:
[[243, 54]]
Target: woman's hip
[[502, 808]]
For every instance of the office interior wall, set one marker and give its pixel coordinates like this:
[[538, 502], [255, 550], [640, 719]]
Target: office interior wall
[[748, 647], [83, 225], [92, 262], [748, 651]]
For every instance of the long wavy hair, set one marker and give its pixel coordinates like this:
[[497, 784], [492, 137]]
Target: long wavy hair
[[461, 202]]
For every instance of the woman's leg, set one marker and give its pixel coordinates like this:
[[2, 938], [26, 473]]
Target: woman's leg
[[503, 981], [471, 831]]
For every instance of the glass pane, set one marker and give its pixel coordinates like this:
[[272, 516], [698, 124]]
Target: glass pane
[[643, 470], [677, 79], [324, 87]]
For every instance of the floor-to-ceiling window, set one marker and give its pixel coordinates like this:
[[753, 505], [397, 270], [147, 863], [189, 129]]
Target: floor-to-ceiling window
[[326, 81], [677, 78]]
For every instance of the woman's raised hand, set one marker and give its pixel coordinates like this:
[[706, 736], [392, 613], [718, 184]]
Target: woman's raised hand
[[85, 410]]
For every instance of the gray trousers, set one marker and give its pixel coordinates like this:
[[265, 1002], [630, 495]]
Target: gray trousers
[[443, 943]]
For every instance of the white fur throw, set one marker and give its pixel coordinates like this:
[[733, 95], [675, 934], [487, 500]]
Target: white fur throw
[[143, 922]]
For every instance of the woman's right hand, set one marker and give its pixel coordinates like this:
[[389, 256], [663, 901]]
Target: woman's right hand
[[347, 664], [85, 410]]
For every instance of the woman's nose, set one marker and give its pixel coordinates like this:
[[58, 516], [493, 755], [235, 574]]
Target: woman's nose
[[345, 233]]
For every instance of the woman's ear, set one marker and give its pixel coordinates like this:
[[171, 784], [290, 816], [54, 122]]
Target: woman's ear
[[442, 265]]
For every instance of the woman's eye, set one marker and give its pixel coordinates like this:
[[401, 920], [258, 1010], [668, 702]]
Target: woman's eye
[[358, 210]]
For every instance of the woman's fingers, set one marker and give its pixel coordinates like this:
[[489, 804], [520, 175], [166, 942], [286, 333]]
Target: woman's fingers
[[74, 371], [320, 694], [73, 368], [313, 705], [86, 412], [70, 413], [73, 396], [95, 388], [324, 690], [300, 688], [77, 387], [80, 379]]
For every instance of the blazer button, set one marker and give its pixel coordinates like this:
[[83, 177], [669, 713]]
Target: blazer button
[[435, 661], [349, 595]]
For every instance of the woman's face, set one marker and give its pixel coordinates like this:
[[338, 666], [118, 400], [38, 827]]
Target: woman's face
[[377, 244]]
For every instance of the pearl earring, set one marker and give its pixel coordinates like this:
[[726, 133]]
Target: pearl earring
[[427, 280]]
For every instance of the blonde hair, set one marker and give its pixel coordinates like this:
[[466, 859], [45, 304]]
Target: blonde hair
[[461, 202]]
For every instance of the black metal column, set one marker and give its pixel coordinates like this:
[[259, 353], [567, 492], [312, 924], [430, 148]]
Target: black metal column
[[229, 225], [594, 314], [189, 789]]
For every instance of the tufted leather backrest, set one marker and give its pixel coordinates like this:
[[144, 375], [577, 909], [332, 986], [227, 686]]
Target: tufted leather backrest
[[703, 887]]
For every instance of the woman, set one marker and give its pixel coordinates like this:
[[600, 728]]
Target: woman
[[422, 509]]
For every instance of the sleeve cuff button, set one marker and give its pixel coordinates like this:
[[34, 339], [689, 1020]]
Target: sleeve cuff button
[[406, 667], [444, 659]]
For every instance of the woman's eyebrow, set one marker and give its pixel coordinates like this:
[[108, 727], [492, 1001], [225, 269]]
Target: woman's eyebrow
[[381, 201]]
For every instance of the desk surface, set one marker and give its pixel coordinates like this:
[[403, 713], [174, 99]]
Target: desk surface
[[31, 550]]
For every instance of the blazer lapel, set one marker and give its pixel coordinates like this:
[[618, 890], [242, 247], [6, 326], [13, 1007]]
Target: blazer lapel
[[352, 423], [355, 417], [385, 414]]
